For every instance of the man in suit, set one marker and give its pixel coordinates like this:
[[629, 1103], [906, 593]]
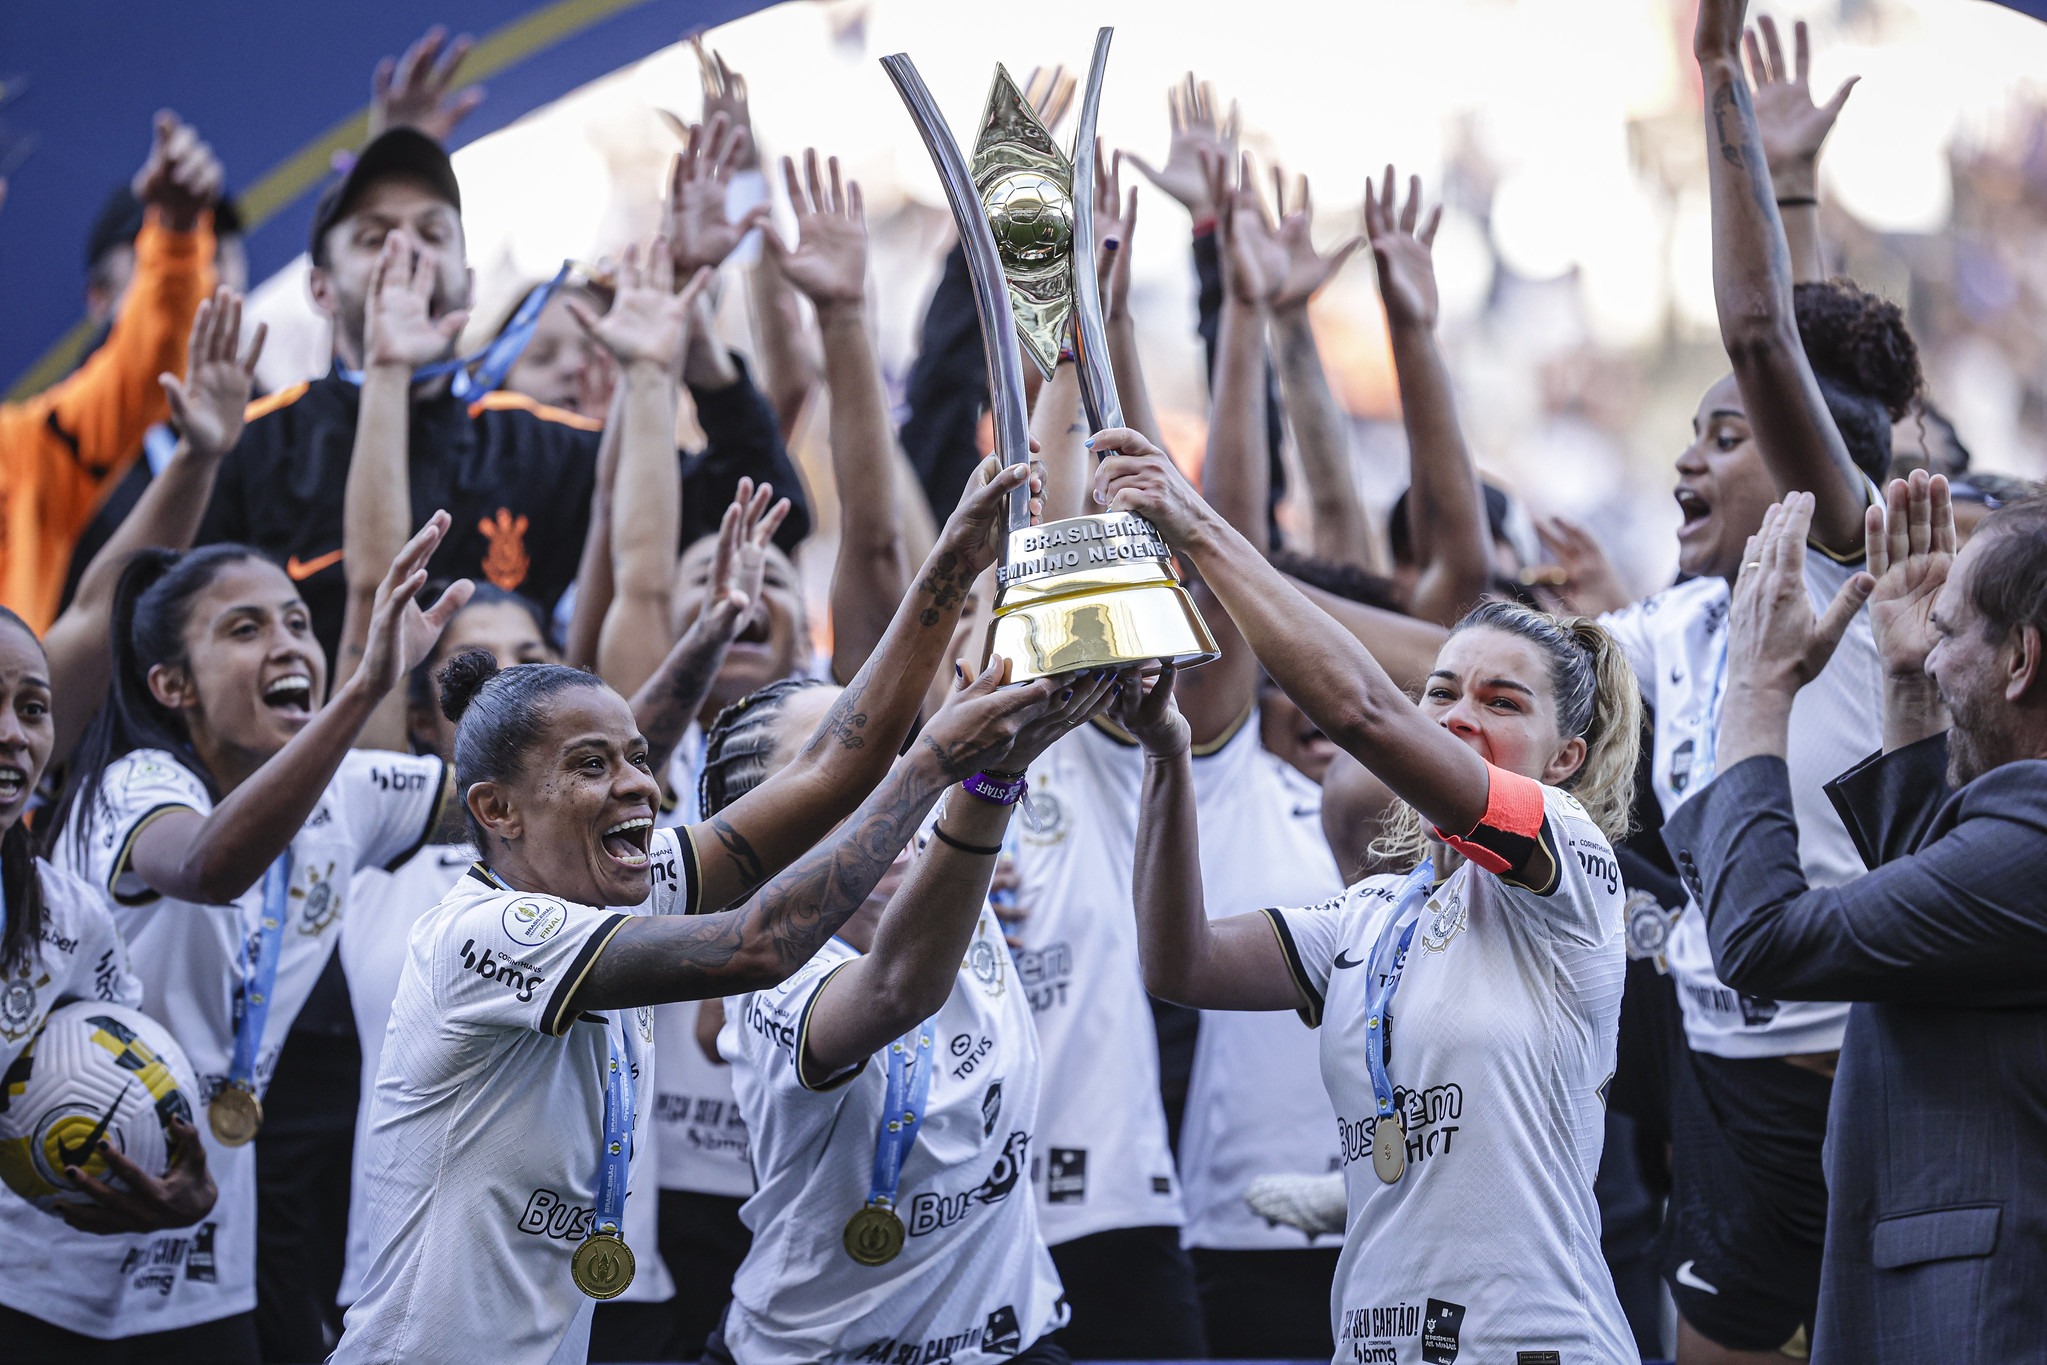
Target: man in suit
[[1937, 1144]]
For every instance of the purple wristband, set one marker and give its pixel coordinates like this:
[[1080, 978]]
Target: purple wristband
[[1003, 790]]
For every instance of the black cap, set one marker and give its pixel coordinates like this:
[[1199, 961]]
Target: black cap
[[401, 151], [120, 219]]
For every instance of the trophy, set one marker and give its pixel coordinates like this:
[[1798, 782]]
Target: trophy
[[1086, 592]]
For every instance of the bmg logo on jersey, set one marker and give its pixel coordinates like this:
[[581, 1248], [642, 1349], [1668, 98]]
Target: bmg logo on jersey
[[396, 779], [508, 972]]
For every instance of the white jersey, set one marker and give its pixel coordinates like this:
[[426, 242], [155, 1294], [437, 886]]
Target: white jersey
[[1500, 1045], [974, 1282], [487, 1123], [1255, 1102], [377, 810], [79, 956], [698, 1132], [1677, 642], [1102, 1159]]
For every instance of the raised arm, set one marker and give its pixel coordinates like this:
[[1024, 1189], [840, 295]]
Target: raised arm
[[928, 924], [1330, 675], [644, 332], [1342, 533], [1116, 222], [769, 827], [214, 858], [593, 570], [653, 960], [1752, 287], [1793, 130], [207, 407], [400, 334], [1226, 964], [829, 264], [1446, 516], [1910, 544]]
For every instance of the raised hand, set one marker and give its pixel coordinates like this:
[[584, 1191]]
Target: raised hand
[[1590, 585], [141, 1202], [1081, 697], [829, 261], [1254, 259], [744, 534], [414, 91], [1050, 91], [1115, 221], [725, 93], [1307, 270], [399, 327], [1196, 131], [401, 634], [1911, 546], [1404, 257], [980, 721], [978, 527], [207, 405], [1147, 713], [693, 218], [182, 177], [1136, 476], [1774, 641], [647, 318], [1793, 128]]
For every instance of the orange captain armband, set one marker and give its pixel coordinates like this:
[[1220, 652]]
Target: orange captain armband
[[1509, 833]]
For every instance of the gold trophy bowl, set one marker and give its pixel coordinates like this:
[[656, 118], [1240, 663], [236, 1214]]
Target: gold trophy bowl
[[1085, 592]]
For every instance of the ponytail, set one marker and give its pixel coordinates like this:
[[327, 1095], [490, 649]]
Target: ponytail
[[1597, 699], [152, 606]]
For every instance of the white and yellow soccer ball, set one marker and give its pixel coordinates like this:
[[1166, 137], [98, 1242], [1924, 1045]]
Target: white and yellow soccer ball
[[94, 1071]]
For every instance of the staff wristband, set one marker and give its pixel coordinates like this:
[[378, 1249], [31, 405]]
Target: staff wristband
[[979, 850], [1798, 201], [1001, 789]]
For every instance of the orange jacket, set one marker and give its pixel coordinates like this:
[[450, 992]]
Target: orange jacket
[[63, 448]]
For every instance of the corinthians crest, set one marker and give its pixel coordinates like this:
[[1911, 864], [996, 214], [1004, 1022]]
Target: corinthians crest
[[18, 994], [1444, 916], [319, 904]]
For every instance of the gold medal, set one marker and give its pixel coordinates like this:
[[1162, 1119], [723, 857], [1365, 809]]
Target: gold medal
[[234, 1114], [602, 1266], [874, 1236], [1389, 1150]]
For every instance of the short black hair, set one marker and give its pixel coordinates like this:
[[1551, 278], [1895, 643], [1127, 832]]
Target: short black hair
[[1866, 363], [499, 713]]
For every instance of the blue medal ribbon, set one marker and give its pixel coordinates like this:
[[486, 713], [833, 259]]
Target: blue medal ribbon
[[259, 974], [902, 1112], [614, 1163], [1384, 976], [479, 374]]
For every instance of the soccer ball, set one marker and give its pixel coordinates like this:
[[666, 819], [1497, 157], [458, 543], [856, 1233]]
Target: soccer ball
[[93, 1071]]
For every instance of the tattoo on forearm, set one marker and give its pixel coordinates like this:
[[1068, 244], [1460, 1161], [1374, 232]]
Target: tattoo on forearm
[[745, 861], [845, 720], [1734, 131], [956, 763], [676, 696], [947, 583]]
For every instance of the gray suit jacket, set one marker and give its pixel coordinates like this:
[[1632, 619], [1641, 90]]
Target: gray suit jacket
[[1937, 1141]]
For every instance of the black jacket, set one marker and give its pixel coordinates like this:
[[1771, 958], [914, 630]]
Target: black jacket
[[1936, 1149], [515, 477]]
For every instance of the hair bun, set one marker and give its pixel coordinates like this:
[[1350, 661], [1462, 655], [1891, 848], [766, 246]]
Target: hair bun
[[462, 677], [1860, 341]]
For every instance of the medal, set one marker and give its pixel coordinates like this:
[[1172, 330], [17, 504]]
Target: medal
[[602, 1266], [874, 1235], [234, 1114], [1389, 1150]]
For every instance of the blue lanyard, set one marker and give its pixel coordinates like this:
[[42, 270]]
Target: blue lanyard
[[1384, 977], [614, 1163], [902, 1112], [259, 974], [479, 374]]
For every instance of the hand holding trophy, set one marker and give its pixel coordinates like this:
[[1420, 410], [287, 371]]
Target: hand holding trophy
[[1086, 592]]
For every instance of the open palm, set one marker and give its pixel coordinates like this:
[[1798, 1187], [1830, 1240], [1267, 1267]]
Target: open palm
[[829, 261], [1307, 270], [1404, 256], [1911, 546], [1792, 126]]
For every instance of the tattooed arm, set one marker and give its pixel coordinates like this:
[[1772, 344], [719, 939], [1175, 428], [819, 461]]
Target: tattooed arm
[[1752, 285], [655, 959], [768, 828]]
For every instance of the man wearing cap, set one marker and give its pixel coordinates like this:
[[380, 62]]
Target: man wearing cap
[[516, 476]]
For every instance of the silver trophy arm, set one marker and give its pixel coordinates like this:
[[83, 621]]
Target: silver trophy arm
[[1090, 342], [991, 291]]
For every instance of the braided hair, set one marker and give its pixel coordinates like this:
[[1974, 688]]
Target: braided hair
[[741, 742]]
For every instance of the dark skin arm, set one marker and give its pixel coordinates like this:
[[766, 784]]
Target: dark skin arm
[[657, 959], [1752, 286], [181, 1198]]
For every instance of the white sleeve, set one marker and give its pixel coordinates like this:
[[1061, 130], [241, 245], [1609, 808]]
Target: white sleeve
[[768, 1028], [515, 961], [1584, 903], [674, 856], [136, 789], [1630, 629], [391, 802], [1310, 938], [103, 971]]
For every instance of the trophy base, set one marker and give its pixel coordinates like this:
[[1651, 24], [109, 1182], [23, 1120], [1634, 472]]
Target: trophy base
[[1097, 629]]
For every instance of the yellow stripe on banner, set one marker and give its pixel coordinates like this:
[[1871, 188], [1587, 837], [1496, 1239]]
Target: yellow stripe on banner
[[307, 167]]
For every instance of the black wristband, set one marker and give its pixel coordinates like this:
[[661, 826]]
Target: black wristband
[[979, 850], [1798, 201]]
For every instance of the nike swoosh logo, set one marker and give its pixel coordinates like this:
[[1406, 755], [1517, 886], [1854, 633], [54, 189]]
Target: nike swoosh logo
[[67, 1155], [299, 570], [1343, 960], [1686, 1278]]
